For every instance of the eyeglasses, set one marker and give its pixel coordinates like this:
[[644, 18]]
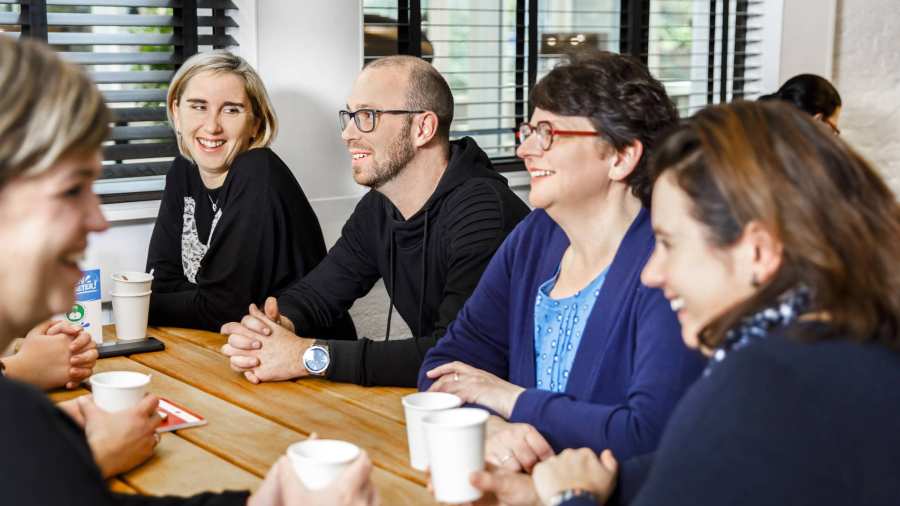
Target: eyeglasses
[[546, 133], [366, 119]]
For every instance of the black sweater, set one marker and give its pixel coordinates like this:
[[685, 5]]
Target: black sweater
[[782, 422], [430, 264], [46, 460], [266, 237]]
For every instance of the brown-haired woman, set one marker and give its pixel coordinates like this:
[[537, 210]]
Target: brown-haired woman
[[779, 246]]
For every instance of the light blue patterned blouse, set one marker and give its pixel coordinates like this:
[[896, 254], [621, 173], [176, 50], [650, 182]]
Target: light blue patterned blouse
[[558, 325]]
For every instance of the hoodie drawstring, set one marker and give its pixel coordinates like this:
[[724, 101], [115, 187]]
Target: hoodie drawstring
[[387, 331]]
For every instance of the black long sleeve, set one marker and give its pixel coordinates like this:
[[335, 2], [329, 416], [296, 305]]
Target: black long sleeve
[[266, 238], [46, 460], [470, 227]]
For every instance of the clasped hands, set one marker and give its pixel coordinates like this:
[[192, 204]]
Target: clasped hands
[[263, 345]]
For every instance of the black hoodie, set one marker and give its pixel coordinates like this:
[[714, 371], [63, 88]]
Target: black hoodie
[[430, 264]]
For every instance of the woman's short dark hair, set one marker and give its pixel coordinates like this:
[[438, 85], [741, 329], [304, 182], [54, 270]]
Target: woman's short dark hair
[[621, 99], [810, 93]]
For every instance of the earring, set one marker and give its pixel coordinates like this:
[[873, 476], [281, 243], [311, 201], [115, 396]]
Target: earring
[[754, 281]]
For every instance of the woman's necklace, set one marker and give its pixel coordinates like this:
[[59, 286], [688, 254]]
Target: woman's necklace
[[215, 203]]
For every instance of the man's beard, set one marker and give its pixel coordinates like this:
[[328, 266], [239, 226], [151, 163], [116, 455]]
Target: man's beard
[[399, 154]]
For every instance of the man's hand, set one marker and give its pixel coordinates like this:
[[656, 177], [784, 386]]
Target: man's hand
[[53, 354], [123, 440], [475, 386], [573, 469], [514, 446], [262, 349]]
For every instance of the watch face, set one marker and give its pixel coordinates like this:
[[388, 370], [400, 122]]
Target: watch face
[[315, 360]]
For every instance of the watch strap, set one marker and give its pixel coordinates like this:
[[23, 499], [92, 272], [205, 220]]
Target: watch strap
[[582, 495]]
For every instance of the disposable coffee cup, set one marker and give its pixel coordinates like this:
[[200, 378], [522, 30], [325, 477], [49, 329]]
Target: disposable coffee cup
[[318, 462], [131, 282], [455, 441], [415, 407], [131, 311], [118, 390]]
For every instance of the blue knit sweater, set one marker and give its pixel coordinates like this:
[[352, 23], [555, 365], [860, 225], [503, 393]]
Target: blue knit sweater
[[631, 367]]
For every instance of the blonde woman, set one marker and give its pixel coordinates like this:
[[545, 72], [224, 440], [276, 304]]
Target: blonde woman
[[52, 122], [234, 225]]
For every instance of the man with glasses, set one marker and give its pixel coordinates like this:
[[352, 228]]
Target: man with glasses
[[436, 214]]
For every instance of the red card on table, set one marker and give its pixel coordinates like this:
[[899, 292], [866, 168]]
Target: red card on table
[[176, 417]]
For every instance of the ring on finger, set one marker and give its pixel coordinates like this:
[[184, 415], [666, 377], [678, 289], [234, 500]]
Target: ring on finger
[[506, 457], [456, 376]]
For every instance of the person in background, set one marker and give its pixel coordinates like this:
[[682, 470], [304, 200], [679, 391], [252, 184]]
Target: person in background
[[560, 339], [52, 123], [780, 244], [436, 212], [52, 355], [234, 226], [813, 95]]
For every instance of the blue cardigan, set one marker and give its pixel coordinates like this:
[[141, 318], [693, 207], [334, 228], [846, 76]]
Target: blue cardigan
[[631, 368]]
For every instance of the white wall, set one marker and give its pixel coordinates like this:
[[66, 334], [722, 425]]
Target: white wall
[[867, 74]]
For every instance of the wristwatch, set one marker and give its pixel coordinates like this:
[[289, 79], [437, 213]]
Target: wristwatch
[[573, 493], [317, 358]]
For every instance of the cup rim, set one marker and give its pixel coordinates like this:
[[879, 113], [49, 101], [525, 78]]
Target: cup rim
[[471, 418], [145, 380], [141, 294], [143, 277], [293, 451], [452, 401]]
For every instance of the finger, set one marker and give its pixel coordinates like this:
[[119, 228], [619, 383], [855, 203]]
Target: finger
[[263, 319], [242, 363], [609, 461], [148, 406], [357, 475], [243, 342], [87, 407], [240, 329], [80, 342], [271, 309], [483, 480], [85, 359], [78, 374], [60, 327], [538, 444], [45, 326], [452, 367], [251, 377]]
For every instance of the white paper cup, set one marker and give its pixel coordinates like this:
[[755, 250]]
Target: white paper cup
[[118, 390], [131, 282], [318, 462], [455, 440], [415, 407], [131, 312]]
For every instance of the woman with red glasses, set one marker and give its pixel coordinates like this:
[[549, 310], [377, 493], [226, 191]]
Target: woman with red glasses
[[560, 339]]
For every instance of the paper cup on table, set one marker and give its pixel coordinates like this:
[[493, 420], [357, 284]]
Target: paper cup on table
[[415, 407], [118, 390], [131, 311], [318, 462], [455, 440], [131, 282]]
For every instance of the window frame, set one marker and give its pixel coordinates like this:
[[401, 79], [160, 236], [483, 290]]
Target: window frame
[[634, 40]]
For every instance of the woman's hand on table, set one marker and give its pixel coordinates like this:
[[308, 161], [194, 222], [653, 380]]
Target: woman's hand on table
[[475, 386], [514, 446], [123, 440], [576, 469], [264, 347], [53, 354], [282, 487]]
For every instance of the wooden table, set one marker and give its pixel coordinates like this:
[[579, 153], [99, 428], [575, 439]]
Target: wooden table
[[250, 426]]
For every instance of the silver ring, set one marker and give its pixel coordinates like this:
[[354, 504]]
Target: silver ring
[[456, 376], [505, 458]]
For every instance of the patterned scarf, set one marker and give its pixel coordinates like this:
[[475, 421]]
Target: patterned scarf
[[785, 311]]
